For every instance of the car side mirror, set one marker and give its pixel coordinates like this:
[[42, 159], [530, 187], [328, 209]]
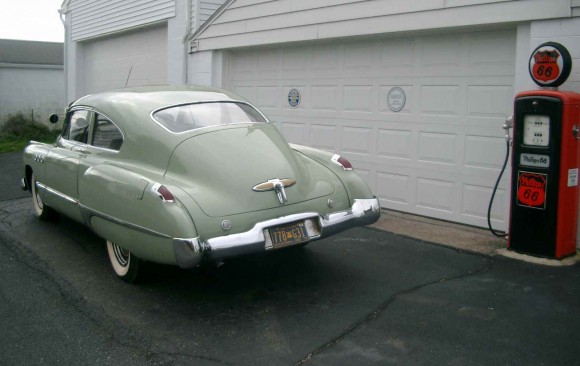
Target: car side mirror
[[53, 118]]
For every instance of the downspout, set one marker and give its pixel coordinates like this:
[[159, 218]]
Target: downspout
[[185, 41], [65, 56]]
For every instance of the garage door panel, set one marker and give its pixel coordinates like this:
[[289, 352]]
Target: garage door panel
[[247, 92], [267, 97], [489, 100], [491, 53], [395, 144], [473, 212], [358, 98], [437, 148], [441, 99], [484, 152], [437, 194], [358, 140], [440, 155], [394, 189], [324, 98]]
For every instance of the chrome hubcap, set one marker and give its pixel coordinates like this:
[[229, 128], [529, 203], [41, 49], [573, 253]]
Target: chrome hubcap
[[121, 255]]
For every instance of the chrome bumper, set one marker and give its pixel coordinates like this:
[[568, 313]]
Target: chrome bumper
[[189, 252]]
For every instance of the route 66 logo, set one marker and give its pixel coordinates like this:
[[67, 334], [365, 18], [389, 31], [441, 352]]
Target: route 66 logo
[[550, 64]]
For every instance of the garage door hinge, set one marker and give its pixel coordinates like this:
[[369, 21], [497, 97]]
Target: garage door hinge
[[193, 46]]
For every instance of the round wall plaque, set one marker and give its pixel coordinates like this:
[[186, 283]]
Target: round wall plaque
[[294, 98], [396, 99]]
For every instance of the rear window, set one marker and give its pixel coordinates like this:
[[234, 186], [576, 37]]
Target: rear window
[[192, 116]]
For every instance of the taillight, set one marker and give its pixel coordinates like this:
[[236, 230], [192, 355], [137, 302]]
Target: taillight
[[163, 193], [339, 160]]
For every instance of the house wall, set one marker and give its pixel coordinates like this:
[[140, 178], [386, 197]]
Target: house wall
[[91, 22], [201, 10], [93, 18], [566, 32], [31, 90], [251, 22]]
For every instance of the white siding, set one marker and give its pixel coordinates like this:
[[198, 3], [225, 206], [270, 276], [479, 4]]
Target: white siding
[[201, 10], [255, 22], [207, 8], [92, 18], [576, 8]]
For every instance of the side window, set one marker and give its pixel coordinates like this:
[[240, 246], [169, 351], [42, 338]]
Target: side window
[[77, 126], [106, 134]]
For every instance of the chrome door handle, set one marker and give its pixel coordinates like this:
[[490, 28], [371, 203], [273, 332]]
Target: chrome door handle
[[79, 149]]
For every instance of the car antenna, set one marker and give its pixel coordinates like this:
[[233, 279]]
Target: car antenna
[[128, 76]]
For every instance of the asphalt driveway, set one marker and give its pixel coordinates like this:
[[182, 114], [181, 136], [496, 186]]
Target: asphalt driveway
[[364, 297]]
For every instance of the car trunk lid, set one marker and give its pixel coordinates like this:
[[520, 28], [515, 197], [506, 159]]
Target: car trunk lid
[[220, 168]]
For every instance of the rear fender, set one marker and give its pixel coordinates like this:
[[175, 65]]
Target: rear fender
[[126, 199], [356, 187]]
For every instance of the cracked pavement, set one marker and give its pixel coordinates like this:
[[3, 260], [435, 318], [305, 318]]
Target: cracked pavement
[[363, 297]]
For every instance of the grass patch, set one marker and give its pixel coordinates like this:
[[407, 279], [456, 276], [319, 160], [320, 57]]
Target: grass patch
[[18, 130]]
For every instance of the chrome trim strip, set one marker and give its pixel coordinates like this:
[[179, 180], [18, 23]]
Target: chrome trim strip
[[88, 212], [362, 212], [56, 193]]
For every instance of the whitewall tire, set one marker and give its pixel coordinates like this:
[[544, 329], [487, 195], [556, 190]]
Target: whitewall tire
[[124, 263]]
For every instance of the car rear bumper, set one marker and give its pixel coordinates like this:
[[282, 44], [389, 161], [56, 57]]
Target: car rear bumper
[[189, 252]]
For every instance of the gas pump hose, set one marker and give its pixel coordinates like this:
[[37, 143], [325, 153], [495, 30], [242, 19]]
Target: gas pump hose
[[496, 233]]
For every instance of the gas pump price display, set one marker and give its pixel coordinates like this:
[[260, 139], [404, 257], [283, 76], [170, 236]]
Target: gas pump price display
[[536, 130]]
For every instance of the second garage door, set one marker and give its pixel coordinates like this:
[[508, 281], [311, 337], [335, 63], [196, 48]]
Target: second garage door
[[439, 155], [128, 59]]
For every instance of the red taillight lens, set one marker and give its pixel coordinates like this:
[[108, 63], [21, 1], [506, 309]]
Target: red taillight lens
[[339, 160], [163, 193]]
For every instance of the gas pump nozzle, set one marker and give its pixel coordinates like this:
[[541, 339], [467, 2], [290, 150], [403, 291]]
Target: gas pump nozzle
[[509, 123]]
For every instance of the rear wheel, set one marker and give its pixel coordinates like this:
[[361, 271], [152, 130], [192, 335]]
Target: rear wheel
[[124, 263], [41, 210]]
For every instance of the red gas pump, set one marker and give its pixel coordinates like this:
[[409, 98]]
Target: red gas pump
[[546, 160]]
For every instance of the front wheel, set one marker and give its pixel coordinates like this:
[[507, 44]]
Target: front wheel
[[124, 263], [41, 210]]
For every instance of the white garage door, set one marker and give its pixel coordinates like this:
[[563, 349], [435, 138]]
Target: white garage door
[[135, 58], [440, 155]]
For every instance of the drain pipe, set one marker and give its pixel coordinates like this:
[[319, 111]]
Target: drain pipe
[[185, 41], [65, 56]]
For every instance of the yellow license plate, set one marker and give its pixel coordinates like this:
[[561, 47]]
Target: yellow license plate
[[289, 234]]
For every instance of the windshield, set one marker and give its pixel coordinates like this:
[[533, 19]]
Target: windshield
[[191, 116]]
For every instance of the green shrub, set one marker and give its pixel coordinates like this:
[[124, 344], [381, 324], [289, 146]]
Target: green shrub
[[17, 127]]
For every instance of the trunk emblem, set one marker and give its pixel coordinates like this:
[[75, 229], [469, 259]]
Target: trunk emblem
[[277, 185]]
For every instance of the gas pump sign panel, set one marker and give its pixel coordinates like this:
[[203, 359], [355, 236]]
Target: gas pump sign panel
[[532, 188], [550, 64]]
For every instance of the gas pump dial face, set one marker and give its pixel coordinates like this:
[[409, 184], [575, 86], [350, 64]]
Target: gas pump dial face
[[536, 130]]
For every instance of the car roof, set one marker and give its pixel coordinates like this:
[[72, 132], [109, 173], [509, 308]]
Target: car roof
[[149, 98], [130, 109]]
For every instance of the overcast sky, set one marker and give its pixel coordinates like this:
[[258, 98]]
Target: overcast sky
[[32, 20]]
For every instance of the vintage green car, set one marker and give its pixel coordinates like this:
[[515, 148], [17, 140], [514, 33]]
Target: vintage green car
[[182, 174]]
